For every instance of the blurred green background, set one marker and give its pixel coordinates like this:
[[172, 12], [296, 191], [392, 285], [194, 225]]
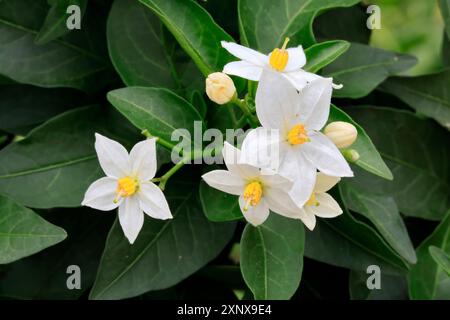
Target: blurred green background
[[414, 27]]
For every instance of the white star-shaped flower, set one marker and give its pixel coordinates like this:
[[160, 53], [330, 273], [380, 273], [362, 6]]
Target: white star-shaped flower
[[127, 184], [258, 193], [297, 118], [288, 62]]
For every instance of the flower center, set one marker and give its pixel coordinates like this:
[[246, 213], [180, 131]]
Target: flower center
[[252, 194], [279, 57], [297, 135], [312, 200], [126, 187]]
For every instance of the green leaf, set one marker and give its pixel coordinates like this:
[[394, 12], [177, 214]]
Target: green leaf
[[77, 60], [199, 103], [23, 232], [165, 252], [195, 31], [44, 275], [264, 24], [272, 257], [416, 151], [440, 257], [322, 54], [23, 107], [444, 5], [159, 111], [369, 159], [393, 287], [55, 22], [428, 95], [362, 68], [54, 165], [383, 213], [427, 280], [225, 207]]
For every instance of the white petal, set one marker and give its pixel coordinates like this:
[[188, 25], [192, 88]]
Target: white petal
[[315, 103], [153, 201], [276, 181], [143, 159], [234, 163], [113, 157], [225, 181], [245, 53], [131, 218], [325, 182], [327, 208], [300, 79], [277, 101], [297, 59], [309, 219], [243, 69], [261, 148], [280, 202], [326, 156], [255, 215], [101, 194]]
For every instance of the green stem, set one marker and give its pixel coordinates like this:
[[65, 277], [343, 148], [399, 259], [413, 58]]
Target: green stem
[[171, 172], [243, 106], [241, 122], [161, 142]]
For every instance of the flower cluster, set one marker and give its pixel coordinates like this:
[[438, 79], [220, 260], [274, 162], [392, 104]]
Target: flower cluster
[[287, 165]]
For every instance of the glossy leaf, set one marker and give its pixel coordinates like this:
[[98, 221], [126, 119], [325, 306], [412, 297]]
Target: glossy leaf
[[428, 95], [393, 287], [324, 53], [441, 258], [370, 159], [23, 232], [416, 151], [272, 257], [164, 253], [362, 68], [225, 207], [427, 280]]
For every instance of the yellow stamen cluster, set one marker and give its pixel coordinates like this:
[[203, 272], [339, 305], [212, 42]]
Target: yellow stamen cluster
[[126, 187], [279, 57], [252, 194], [297, 135], [312, 200]]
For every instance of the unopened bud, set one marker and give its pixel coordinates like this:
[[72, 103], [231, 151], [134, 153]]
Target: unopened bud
[[351, 155], [220, 88], [343, 134]]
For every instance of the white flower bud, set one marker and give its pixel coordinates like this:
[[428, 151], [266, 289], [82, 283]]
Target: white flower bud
[[343, 134], [220, 88]]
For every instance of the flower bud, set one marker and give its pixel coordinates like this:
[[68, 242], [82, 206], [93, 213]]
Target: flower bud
[[220, 88], [351, 155], [343, 134]]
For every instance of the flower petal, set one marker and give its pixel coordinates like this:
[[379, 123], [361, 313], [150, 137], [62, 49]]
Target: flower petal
[[131, 218], [255, 215], [143, 159], [261, 148], [245, 53], [325, 182], [277, 101], [309, 219], [297, 59], [225, 181], [153, 201], [326, 156], [243, 69], [276, 181], [315, 103], [300, 79], [327, 208], [280, 202], [233, 160], [113, 157], [101, 194]]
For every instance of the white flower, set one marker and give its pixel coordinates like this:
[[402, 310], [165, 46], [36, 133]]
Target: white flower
[[127, 184], [343, 134], [297, 119], [258, 193], [288, 62], [320, 203]]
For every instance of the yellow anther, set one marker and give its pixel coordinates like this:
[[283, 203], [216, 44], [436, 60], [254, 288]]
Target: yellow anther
[[297, 135], [126, 187], [312, 200], [279, 57], [252, 194]]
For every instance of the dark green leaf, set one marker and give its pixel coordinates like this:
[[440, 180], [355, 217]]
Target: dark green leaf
[[164, 253], [393, 287], [441, 258], [322, 54], [445, 10], [272, 257], [362, 68], [23, 232], [224, 207]]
